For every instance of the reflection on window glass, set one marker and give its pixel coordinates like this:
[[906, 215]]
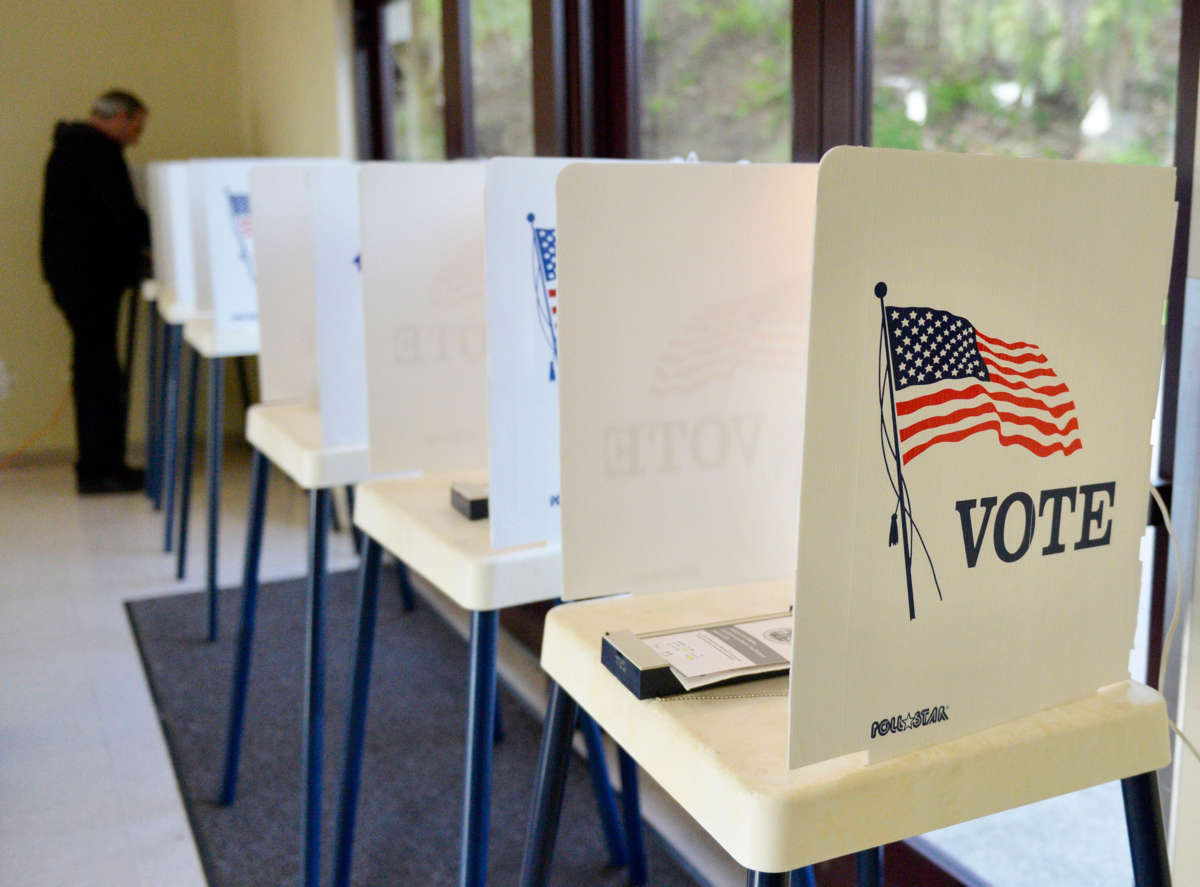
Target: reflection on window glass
[[502, 74], [414, 31], [716, 79], [1082, 79]]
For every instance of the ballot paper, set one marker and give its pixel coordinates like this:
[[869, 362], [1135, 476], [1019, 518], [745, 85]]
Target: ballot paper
[[704, 656]]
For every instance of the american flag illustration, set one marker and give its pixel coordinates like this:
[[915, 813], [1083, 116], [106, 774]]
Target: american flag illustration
[[725, 338], [545, 286], [946, 381], [953, 381], [243, 227]]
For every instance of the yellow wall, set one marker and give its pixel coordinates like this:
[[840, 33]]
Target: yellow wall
[[221, 77], [181, 57], [296, 61]]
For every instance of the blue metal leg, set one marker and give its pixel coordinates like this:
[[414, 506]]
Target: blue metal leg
[[632, 810], [174, 345], [498, 733], [548, 786], [216, 428], [870, 867], [189, 454], [314, 697], [259, 472], [766, 879], [406, 590], [160, 424], [606, 799], [152, 404], [355, 532], [804, 877], [368, 596], [1143, 821], [481, 721]]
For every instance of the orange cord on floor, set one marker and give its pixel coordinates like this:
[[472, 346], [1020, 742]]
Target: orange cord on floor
[[55, 418]]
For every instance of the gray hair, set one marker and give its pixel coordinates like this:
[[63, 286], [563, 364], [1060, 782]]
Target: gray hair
[[115, 102]]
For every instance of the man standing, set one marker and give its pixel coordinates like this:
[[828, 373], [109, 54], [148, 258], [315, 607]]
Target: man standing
[[94, 240]]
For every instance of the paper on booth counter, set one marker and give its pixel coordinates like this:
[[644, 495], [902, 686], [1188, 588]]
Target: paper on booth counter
[[710, 651], [170, 209], [683, 322], [424, 315], [522, 317], [287, 310], [224, 231], [1021, 348], [337, 281]]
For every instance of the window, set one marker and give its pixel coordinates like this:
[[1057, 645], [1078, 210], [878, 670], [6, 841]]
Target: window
[[414, 33], [502, 76], [716, 79], [1080, 79]]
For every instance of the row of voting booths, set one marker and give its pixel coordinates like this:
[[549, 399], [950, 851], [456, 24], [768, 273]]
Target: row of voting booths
[[899, 401]]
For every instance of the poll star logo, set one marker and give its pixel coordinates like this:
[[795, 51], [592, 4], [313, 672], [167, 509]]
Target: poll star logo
[[545, 287], [243, 228], [941, 381]]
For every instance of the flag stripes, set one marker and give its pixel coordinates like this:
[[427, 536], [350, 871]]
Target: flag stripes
[[953, 382]]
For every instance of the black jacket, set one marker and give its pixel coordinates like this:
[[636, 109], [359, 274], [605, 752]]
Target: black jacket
[[93, 229]]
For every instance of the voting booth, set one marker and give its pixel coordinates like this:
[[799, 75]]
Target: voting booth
[[459, 282], [522, 324], [202, 234], [949, 432], [310, 294], [312, 422], [171, 240], [224, 241], [425, 321], [1018, 343]]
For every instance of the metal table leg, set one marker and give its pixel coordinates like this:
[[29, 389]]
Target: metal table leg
[[606, 799], [314, 697], [216, 415], [766, 879], [548, 787], [481, 722], [170, 430], [189, 455], [1143, 821], [368, 599], [259, 472], [153, 436], [632, 812]]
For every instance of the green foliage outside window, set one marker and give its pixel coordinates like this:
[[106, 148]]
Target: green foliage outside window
[[1087, 79], [716, 78]]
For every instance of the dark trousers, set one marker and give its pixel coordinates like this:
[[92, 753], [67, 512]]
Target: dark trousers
[[97, 382]]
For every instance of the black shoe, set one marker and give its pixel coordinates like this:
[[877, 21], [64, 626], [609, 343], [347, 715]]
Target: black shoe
[[123, 480]]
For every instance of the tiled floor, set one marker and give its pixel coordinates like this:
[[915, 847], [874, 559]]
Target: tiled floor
[[87, 795]]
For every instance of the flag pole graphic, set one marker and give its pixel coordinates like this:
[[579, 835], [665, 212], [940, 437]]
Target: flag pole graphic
[[880, 292], [545, 310]]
